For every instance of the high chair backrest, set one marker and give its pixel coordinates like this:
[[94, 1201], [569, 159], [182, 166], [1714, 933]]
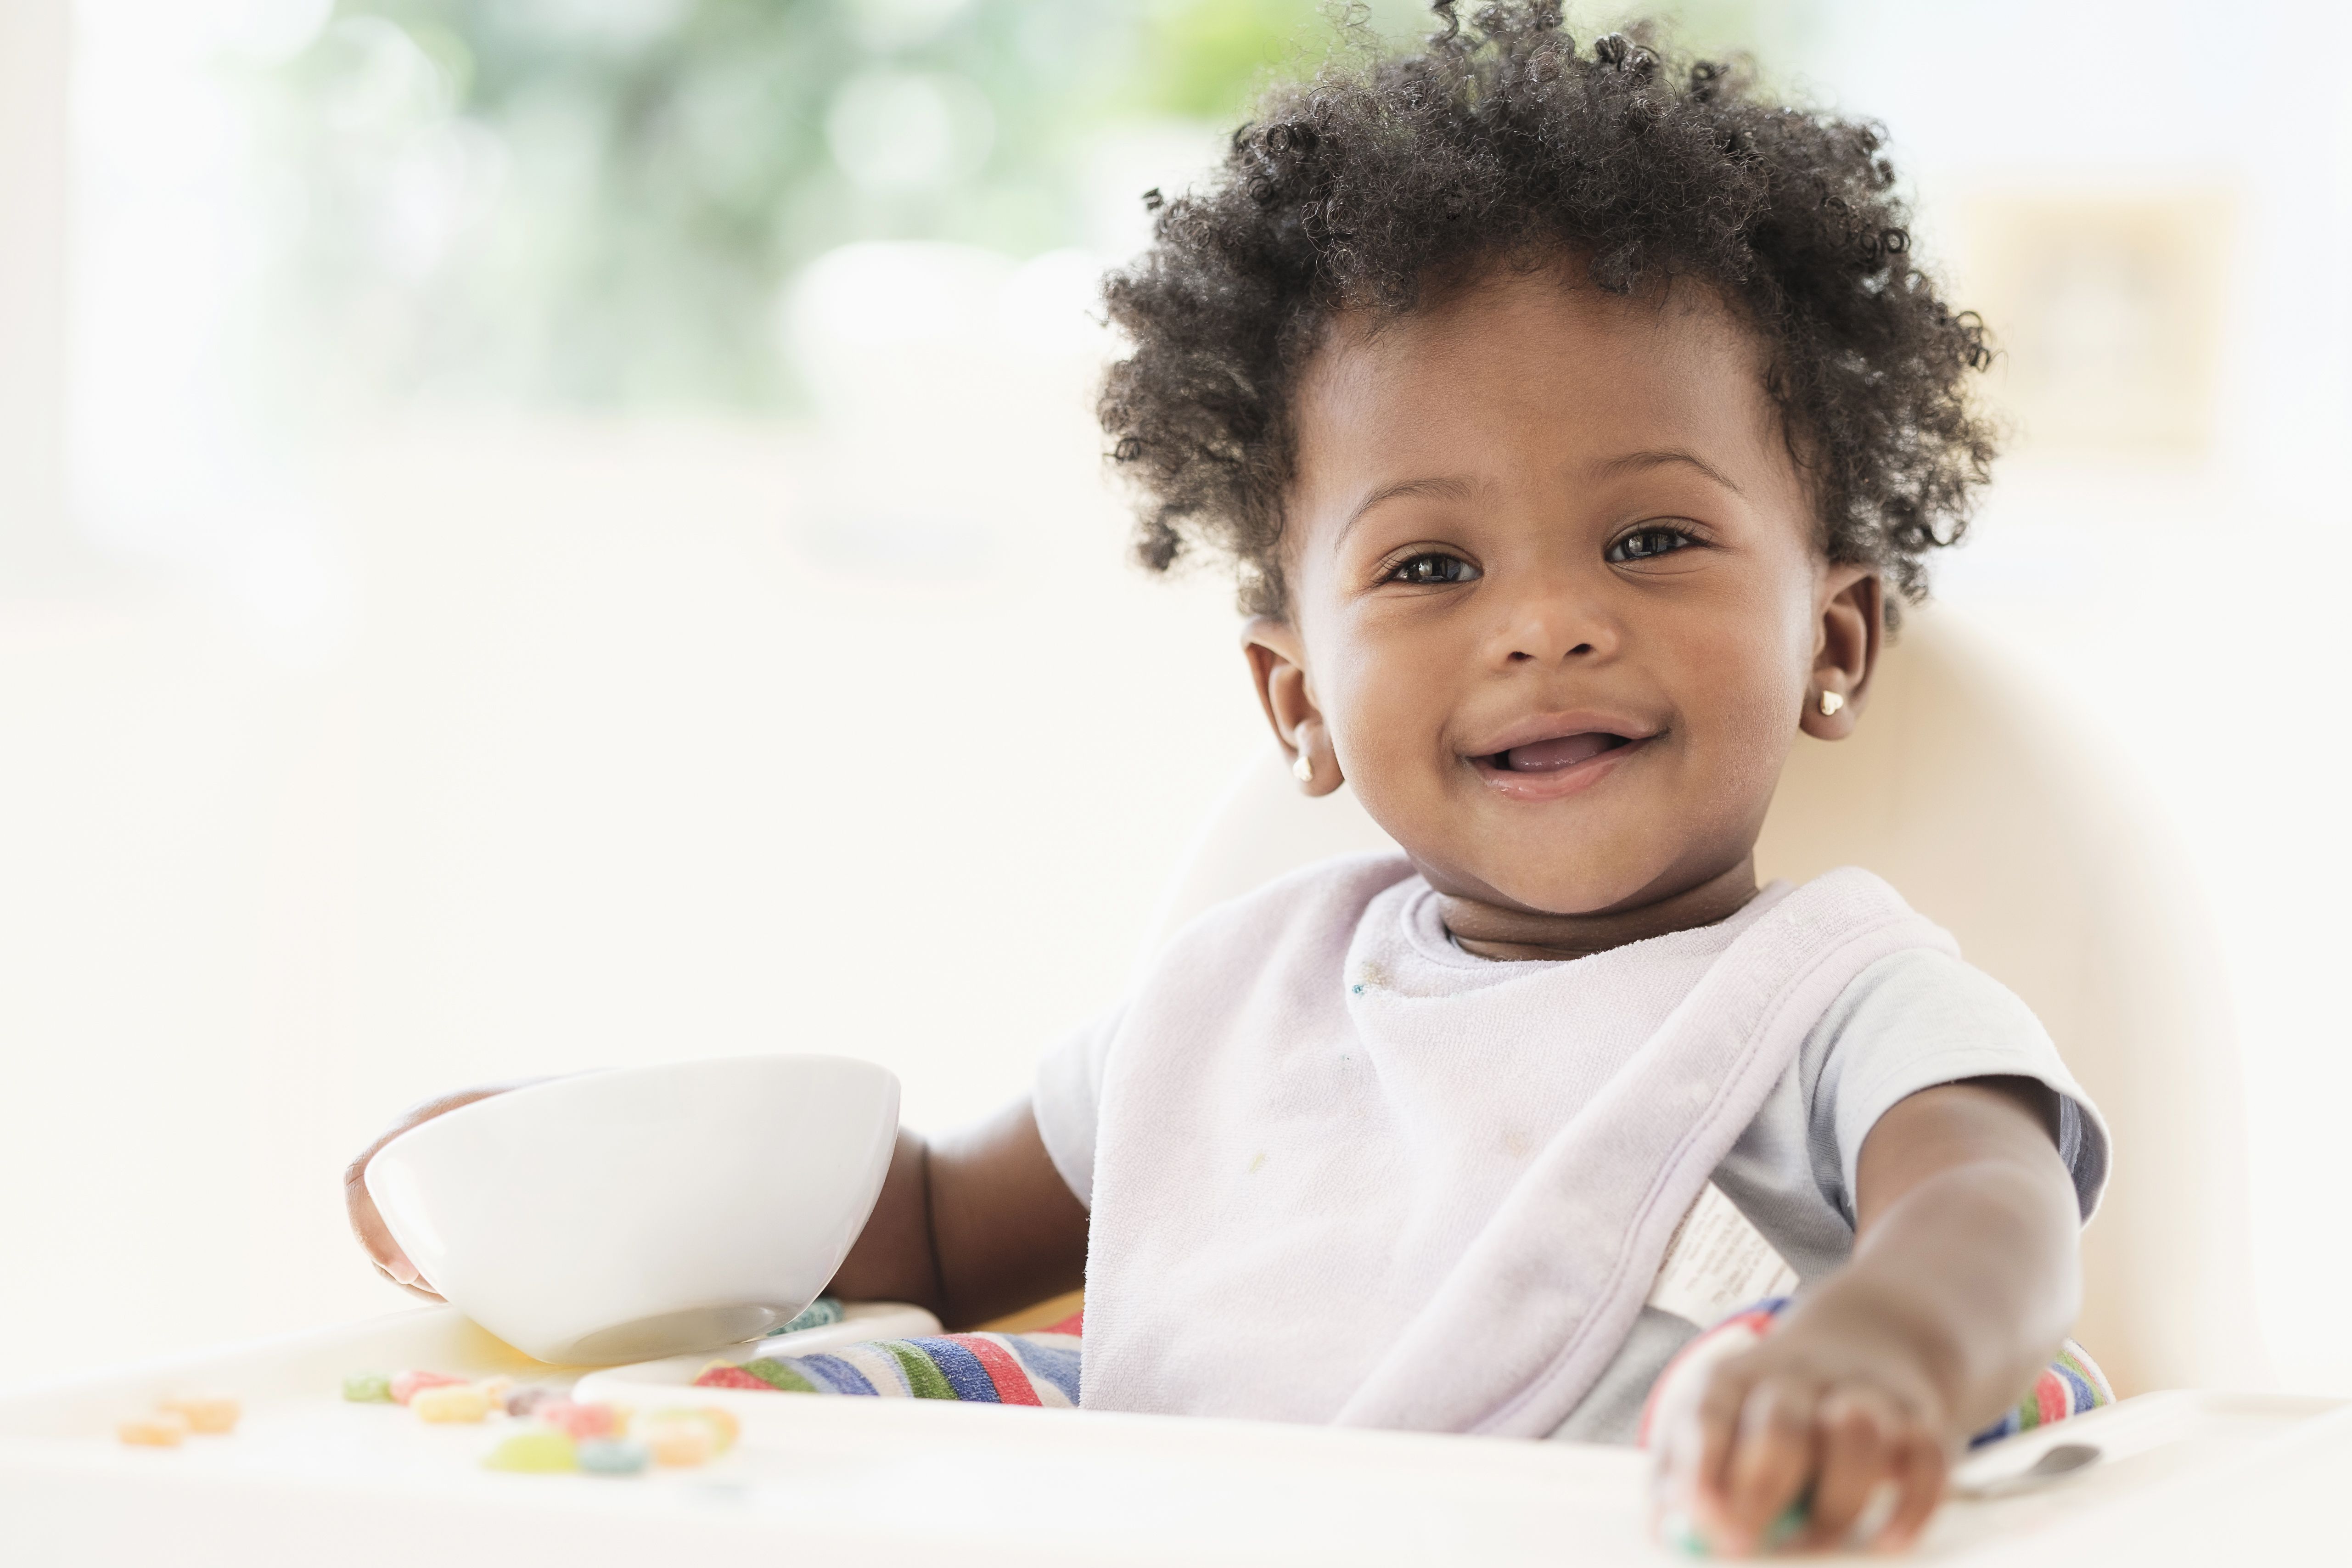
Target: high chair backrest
[[1972, 800]]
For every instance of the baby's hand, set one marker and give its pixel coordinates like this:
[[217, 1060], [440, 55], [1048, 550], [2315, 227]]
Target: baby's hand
[[1835, 1414], [367, 1223]]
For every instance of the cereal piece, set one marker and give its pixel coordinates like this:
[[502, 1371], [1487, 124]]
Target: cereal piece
[[368, 1388], [450, 1402], [614, 1456], [405, 1384], [496, 1389], [679, 1441], [538, 1452], [523, 1401], [163, 1429], [206, 1412], [578, 1421], [724, 1428]]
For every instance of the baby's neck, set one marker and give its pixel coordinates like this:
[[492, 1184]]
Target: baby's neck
[[1491, 931]]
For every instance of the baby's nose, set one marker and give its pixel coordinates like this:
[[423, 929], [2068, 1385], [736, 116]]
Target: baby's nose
[[1554, 628]]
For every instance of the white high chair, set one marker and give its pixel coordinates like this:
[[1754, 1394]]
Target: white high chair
[[1974, 804]]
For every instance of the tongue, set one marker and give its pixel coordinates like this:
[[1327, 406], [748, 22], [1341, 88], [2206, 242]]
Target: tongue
[[1550, 756]]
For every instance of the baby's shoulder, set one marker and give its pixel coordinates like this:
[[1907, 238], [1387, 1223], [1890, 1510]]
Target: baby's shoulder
[[1917, 1018], [1927, 990]]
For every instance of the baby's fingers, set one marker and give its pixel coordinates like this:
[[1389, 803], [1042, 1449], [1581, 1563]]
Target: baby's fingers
[[359, 1203], [1859, 1457], [1775, 1454], [1920, 1465], [1718, 1431], [374, 1236]]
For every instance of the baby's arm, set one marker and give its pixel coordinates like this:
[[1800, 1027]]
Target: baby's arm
[[972, 1225], [1964, 1278]]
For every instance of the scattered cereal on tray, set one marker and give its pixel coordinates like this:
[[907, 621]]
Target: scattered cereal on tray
[[163, 1429], [578, 1422], [368, 1388], [678, 1441], [405, 1384], [540, 1452], [213, 1413], [524, 1401], [450, 1402], [724, 1428], [614, 1456]]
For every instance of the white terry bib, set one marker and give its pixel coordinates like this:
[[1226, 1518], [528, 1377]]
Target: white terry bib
[[1348, 1173]]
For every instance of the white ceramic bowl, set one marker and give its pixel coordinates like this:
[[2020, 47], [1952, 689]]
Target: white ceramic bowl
[[645, 1211]]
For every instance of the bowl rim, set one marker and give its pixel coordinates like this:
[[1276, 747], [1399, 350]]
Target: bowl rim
[[643, 1069]]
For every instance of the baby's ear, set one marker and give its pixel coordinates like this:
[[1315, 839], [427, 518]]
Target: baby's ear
[[1848, 630], [1278, 662]]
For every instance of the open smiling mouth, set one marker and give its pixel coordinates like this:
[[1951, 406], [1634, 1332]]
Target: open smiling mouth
[[1557, 754]]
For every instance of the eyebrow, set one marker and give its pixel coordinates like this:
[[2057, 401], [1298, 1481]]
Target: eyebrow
[[1641, 462], [1442, 488]]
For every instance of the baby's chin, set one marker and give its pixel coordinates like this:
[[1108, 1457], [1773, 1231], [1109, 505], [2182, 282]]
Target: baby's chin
[[1544, 883]]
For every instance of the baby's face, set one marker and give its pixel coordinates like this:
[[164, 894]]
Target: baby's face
[[1555, 597]]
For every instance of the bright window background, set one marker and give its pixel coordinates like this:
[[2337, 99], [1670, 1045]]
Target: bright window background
[[576, 537]]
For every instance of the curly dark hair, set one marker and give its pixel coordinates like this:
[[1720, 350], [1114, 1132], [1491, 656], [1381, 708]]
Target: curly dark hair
[[1356, 189]]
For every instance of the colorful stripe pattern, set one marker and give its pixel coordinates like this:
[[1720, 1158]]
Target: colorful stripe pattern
[[2067, 1386], [1039, 1369], [823, 1312], [1042, 1369]]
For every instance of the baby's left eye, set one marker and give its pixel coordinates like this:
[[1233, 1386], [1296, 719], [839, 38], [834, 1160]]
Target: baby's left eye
[[1432, 569], [1644, 543]]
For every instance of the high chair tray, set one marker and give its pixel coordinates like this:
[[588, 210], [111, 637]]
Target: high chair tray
[[307, 1478]]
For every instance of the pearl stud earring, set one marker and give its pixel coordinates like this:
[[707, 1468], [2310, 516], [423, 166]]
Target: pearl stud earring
[[1831, 703], [1303, 769]]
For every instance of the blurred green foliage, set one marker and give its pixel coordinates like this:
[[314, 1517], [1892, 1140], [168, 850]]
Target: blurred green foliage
[[597, 201], [1201, 57]]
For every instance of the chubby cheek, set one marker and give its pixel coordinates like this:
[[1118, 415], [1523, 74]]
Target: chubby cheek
[[1740, 682], [1388, 700]]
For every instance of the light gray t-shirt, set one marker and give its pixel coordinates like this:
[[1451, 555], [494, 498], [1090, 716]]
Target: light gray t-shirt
[[1911, 1021]]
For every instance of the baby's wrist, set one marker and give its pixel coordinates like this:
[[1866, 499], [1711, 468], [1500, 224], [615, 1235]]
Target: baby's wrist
[[1919, 1347]]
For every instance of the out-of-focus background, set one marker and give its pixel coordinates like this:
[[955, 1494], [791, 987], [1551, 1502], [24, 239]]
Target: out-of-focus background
[[539, 533]]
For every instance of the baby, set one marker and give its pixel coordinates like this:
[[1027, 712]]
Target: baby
[[1577, 423]]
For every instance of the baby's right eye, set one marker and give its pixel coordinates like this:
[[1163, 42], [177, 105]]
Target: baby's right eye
[[1433, 568]]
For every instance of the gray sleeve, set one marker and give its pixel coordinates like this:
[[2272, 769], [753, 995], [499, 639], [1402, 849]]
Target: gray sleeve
[[1067, 1100], [1914, 1020]]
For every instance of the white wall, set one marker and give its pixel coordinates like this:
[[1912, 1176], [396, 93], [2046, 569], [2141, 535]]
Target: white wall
[[611, 772], [32, 183]]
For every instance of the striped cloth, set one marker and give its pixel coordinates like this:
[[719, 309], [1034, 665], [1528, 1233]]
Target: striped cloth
[[1039, 1369], [1042, 1369], [2067, 1386]]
